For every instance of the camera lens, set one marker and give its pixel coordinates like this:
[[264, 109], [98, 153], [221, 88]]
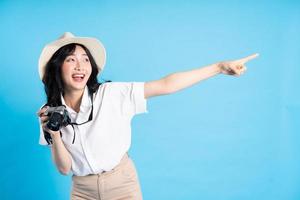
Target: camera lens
[[55, 121]]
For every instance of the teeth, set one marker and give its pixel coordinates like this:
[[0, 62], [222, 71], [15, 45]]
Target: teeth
[[78, 76]]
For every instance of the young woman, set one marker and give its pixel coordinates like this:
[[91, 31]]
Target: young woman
[[93, 144]]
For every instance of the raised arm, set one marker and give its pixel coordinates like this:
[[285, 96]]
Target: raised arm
[[180, 80]]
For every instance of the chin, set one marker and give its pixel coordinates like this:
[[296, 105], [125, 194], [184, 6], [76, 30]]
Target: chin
[[77, 87]]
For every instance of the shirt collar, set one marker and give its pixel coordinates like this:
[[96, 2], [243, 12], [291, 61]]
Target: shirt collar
[[85, 101]]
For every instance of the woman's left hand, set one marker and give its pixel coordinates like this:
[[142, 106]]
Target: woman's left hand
[[235, 67]]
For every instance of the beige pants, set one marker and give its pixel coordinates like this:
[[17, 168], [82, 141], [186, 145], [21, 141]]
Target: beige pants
[[120, 183]]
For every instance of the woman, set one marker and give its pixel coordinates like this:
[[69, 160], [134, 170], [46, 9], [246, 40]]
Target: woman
[[93, 144]]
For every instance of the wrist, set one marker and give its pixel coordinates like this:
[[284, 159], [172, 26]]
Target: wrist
[[55, 135], [217, 68]]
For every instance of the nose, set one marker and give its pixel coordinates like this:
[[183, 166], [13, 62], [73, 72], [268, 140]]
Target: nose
[[78, 66]]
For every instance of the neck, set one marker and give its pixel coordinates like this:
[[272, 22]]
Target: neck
[[73, 99]]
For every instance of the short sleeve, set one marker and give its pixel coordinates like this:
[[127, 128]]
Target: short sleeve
[[42, 140], [136, 98], [131, 97]]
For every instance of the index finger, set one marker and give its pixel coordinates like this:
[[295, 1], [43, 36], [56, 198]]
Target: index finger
[[41, 111], [248, 58]]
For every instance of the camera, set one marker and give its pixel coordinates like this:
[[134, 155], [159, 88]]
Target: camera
[[58, 117]]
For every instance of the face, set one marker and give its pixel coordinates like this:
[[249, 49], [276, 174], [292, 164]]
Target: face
[[76, 70]]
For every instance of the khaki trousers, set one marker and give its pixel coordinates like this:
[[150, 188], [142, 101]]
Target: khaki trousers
[[121, 183]]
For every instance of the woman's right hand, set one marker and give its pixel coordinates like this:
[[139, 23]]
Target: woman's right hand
[[44, 119]]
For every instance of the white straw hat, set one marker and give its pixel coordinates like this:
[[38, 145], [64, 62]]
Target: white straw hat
[[95, 47]]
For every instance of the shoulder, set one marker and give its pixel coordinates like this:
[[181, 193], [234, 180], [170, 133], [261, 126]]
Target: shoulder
[[122, 88], [120, 85]]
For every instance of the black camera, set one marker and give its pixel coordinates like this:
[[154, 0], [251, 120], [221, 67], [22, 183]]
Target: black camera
[[58, 117]]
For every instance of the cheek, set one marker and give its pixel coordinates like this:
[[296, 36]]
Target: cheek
[[65, 71], [89, 71]]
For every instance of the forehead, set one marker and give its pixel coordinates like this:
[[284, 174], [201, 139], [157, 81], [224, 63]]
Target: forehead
[[79, 50]]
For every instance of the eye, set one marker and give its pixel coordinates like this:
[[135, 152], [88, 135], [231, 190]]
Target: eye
[[70, 59], [86, 59]]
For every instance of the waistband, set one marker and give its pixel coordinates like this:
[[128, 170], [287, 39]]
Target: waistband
[[123, 161]]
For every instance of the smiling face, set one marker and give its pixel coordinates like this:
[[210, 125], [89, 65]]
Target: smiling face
[[76, 70]]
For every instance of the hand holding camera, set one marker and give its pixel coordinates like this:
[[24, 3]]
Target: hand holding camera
[[44, 119], [53, 118]]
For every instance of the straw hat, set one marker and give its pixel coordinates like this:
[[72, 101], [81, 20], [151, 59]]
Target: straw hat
[[92, 44]]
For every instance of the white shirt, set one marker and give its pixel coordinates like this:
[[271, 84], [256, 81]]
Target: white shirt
[[100, 144]]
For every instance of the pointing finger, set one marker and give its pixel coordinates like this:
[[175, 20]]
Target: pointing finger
[[248, 58]]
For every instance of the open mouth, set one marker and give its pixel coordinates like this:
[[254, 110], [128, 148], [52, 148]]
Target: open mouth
[[78, 77]]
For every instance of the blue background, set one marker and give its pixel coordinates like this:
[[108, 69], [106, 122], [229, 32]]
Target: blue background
[[224, 138]]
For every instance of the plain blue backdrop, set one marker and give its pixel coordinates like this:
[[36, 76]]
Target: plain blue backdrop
[[225, 138]]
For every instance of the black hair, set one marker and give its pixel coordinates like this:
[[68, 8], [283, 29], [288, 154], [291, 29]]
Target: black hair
[[53, 83]]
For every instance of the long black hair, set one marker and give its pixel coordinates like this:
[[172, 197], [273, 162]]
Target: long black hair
[[53, 83]]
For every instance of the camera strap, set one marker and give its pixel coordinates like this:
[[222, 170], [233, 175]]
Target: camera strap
[[89, 119]]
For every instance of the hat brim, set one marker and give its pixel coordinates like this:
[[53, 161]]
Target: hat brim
[[95, 47]]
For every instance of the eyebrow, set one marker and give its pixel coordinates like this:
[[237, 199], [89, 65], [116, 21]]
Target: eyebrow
[[72, 54]]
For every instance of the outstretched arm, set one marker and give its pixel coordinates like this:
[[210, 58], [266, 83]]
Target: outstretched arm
[[180, 80]]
